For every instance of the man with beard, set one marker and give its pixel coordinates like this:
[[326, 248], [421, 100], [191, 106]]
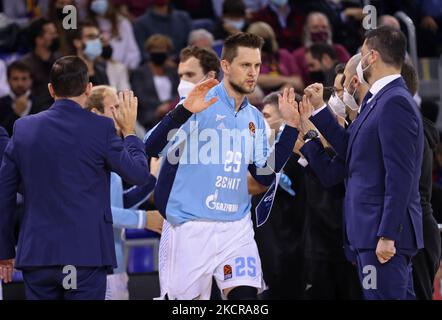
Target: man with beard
[[383, 150], [20, 101], [317, 30], [206, 200], [44, 40], [321, 63]]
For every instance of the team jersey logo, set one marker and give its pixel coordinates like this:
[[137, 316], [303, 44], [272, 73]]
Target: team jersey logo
[[227, 272], [252, 128]]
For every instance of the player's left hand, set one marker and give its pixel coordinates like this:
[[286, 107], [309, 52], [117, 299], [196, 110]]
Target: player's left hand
[[289, 107]]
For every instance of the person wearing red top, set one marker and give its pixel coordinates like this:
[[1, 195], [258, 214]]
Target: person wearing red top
[[317, 30]]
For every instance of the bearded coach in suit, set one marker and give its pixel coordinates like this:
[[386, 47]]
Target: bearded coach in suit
[[383, 151]]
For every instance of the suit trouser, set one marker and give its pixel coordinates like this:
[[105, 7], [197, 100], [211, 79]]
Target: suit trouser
[[50, 283], [392, 280], [331, 280]]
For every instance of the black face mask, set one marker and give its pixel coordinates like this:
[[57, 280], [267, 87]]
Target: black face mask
[[59, 13], [317, 76], [55, 45], [158, 58], [107, 52]]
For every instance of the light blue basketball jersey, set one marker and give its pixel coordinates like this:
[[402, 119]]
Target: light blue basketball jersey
[[205, 164]]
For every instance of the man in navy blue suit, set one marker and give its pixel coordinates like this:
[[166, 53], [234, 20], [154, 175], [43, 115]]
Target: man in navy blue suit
[[383, 155], [63, 157]]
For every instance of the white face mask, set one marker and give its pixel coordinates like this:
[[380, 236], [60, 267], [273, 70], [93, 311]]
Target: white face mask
[[350, 100], [360, 71], [237, 24], [184, 88], [337, 105]]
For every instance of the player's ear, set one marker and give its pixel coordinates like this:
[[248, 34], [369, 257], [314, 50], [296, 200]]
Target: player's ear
[[225, 66]]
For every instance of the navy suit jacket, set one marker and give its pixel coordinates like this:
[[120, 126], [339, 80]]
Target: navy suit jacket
[[4, 139], [383, 150], [63, 158]]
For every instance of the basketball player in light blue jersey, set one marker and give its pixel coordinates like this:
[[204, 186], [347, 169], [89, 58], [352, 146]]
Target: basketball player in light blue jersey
[[202, 186]]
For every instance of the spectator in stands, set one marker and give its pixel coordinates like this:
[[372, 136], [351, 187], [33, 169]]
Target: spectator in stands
[[201, 38], [286, 20], [116, 72], [22, 11], [431, 27], [132, 9], [278, 68], [155, 83], [252, 6], [198, 9], [232, 21], [85, 42], [19, 102], [163, 19], [321, 62], [102, 101], [116, 29], [45, 42], [345, 19], [317, 30], [56, 15]]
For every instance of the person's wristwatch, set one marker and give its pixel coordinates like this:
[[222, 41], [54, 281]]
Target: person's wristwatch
[[311, 134]]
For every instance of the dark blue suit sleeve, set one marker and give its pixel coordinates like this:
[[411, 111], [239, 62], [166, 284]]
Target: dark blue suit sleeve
[[4, 139], [158, 138], [135, 196], [9, 184], [329, 127], [398, 132], [281, 153], [330, 171], [127, 158]]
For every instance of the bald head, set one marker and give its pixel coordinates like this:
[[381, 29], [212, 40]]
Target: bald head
[[387, 20], [317, 21], [350, 67]]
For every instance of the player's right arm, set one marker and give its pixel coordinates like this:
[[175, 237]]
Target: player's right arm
[[195, 102]]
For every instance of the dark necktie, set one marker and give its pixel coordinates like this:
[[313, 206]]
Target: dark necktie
[[365, 101]]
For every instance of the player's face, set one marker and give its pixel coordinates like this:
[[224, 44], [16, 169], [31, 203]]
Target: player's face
[[242, 73], [191, 70]]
